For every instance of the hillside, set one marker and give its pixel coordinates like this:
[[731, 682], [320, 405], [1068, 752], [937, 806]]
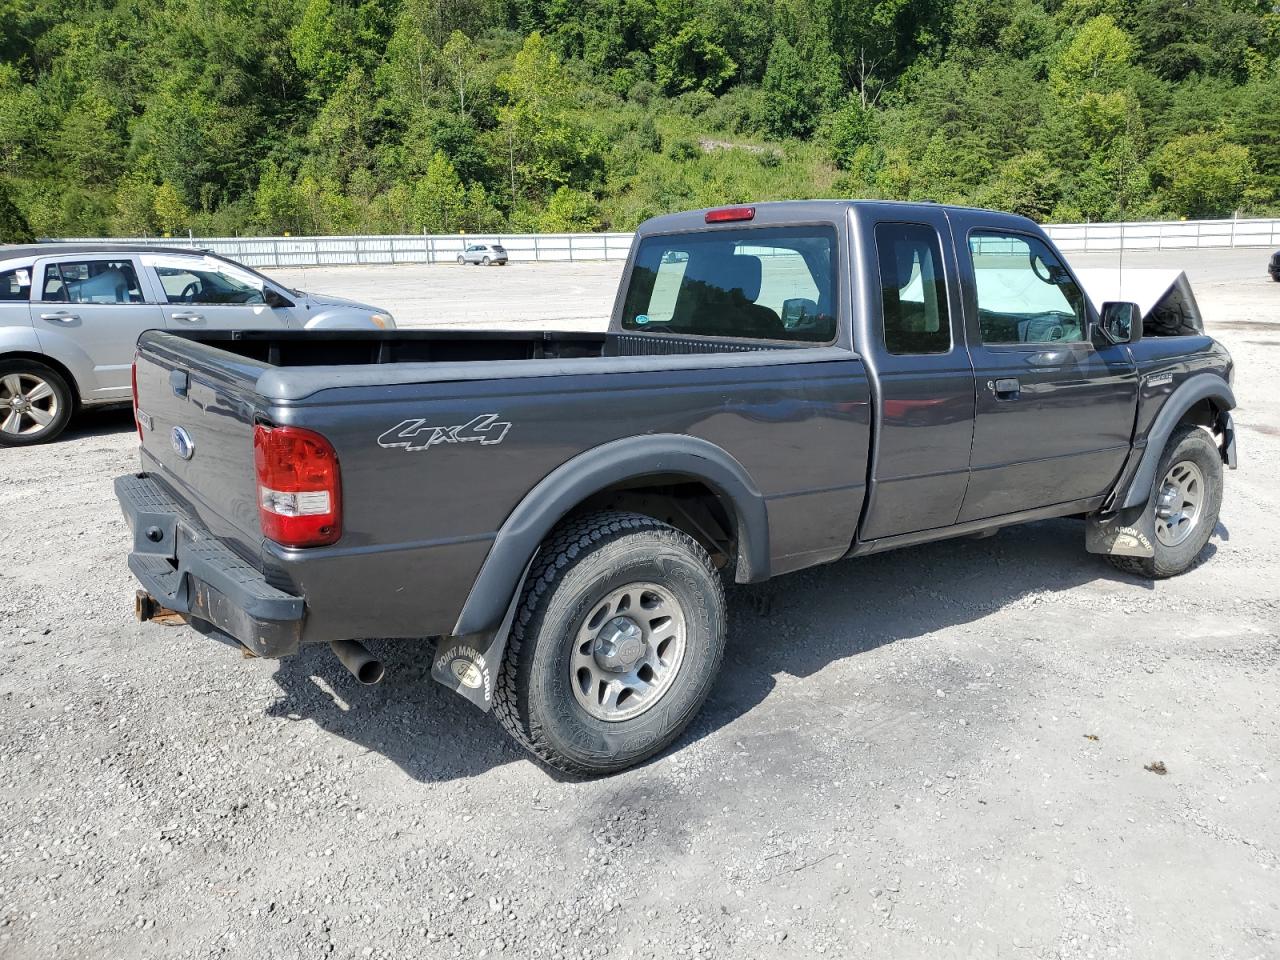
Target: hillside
[[374, 116]]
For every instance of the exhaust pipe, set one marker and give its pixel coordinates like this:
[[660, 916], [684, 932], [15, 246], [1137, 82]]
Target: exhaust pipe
[[362, 664]]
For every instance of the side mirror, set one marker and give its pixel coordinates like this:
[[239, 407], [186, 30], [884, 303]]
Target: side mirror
[[1121, 322]]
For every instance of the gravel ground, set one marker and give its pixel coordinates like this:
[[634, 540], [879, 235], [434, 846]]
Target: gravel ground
[[937, 752]]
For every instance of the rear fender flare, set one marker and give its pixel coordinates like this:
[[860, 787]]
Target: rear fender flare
[[1201, 386], [591, 472]]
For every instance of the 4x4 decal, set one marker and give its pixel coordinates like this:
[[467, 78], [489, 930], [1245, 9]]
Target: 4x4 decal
[[416, 434]]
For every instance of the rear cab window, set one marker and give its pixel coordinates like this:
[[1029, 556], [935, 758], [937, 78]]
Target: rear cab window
[[761, 283]]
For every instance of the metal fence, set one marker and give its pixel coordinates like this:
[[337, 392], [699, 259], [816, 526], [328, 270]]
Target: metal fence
[[407, 248], [1165, 234], [415, 248]]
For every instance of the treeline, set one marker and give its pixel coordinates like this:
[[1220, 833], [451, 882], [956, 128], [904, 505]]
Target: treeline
[[376, 116]]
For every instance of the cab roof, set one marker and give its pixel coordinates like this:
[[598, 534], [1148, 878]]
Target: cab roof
[[785, 212]]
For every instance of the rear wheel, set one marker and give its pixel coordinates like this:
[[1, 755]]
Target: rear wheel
[[35, 403], [618, 639], [1184, 502]]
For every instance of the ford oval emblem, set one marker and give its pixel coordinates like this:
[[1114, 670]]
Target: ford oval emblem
[[183, 445]]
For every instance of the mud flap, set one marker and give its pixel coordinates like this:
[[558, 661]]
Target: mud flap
[[469, 665], [1128, 533]]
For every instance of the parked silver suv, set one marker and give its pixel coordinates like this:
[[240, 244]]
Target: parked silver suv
[[484, 254], [70, 315]]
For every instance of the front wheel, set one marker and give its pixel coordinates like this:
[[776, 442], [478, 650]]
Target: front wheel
[[35, 403], [1184, 502], [618, 638]]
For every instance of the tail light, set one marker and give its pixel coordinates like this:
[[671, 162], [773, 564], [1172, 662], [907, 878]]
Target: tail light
[[137, 421], [299, 486]]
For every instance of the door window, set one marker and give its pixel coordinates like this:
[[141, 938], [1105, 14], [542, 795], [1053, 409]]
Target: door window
[[91, 281], [15, 284], [206, 282], [761, 283], [913, 292], [1025, 294]]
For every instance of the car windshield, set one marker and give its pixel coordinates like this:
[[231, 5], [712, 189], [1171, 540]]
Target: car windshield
[[771, 283]]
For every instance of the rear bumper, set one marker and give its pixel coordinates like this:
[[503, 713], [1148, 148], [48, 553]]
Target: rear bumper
[[181, 565]]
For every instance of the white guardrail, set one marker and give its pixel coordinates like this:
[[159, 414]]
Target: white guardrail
[[407, 248], [426, 248]]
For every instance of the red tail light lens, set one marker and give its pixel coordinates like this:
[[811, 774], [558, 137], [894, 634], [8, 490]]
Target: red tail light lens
[[299, 486], [137, 422], [731, 214]]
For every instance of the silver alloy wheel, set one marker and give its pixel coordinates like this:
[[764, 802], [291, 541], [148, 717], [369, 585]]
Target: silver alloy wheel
[[1179, 503], [628, 651], [28, 404]]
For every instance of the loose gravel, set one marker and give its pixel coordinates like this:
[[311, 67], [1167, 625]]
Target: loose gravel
[[943, 751]]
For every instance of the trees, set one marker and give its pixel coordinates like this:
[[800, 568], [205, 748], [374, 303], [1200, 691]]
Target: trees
[[332, 114], [13, 225], [691, 60], [1201, 175]]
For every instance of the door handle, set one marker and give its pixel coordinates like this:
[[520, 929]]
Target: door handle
[[188, 317], [1006, 388], [60, 317]]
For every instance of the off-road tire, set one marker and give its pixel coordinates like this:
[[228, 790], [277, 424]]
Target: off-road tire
[[65, 399], [580, 562], [1187, 443]]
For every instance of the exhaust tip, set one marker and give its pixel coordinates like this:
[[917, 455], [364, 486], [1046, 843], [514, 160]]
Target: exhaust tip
[[371, 672], [360, 663]]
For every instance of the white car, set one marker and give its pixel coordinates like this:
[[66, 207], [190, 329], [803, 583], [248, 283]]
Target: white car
[[484, 254], [70, 315]]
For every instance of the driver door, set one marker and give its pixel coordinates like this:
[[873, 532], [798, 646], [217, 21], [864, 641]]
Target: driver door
[[1053, 412], [203, 293]]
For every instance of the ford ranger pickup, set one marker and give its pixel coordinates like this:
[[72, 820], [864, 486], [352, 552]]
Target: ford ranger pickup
[[551, 517]]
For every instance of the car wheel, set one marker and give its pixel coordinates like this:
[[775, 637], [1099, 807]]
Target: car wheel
[[1184, 501], [461, 260], [486, 261], [618, 638], [35, 403]]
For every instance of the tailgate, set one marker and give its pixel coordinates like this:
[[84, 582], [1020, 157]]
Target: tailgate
[[197, 406]]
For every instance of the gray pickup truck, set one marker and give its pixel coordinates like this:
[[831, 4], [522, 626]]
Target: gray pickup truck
[[552, 516]]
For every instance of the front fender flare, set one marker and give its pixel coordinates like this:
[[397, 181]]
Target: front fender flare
[[591, 472], [1200, 386]]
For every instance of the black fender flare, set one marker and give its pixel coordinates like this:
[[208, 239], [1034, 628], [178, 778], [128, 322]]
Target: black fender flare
[[589, 473], [1200, 386]]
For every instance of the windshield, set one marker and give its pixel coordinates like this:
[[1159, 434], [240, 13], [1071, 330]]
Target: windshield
[[767, 283]]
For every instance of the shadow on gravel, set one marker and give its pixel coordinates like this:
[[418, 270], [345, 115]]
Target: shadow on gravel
[[99, 423], [428, 731], [802, 623], [797, 625]]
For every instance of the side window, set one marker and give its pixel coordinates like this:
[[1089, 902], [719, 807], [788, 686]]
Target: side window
[[91, 281], [15, 284], [913, 291], [200, 284], [1025, 295], [765, 283]]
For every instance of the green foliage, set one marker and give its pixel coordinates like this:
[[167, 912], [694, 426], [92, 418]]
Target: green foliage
[[1201, 175], [691, 60], [13, 225], [142, 117]]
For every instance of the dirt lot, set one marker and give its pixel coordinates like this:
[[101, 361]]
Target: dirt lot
[[933, 753]]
